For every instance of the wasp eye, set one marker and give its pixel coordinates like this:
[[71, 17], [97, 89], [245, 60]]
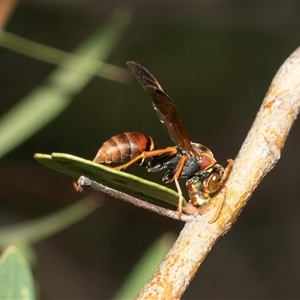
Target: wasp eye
[[213, 182]]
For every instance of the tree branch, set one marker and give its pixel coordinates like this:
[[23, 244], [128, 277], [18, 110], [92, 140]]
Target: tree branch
[[258, 155]]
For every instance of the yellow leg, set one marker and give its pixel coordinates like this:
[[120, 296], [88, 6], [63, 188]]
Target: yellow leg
[[227, 170], [219, 208], [176, 176], [147, 154], [180, 199]]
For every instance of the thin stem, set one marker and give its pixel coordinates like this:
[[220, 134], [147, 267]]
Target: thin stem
[[59, 57], [86, 182]]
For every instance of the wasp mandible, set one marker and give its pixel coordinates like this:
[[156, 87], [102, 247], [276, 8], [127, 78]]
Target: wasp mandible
[[186, 159]]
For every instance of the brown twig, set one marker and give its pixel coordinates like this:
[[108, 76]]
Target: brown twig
[[258, 155], [86, 182]]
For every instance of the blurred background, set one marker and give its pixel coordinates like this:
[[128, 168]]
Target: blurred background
[[216, 60]]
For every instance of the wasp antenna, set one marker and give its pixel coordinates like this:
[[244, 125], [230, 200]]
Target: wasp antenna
[[218, 211]]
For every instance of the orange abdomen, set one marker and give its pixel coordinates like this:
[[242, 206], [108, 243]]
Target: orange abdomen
[[124, 147]]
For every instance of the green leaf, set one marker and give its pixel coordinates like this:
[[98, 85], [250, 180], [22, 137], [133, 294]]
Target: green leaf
[[16, 281], [52, 97], [132, 185], [36, 230], [55, 56]]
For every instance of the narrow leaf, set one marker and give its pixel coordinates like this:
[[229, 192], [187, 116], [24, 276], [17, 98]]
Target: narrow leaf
[[140, 188], [36, 230], [16, 281], [55, 56]]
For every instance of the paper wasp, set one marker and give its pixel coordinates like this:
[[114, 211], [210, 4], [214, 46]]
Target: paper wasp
[[185, 160]]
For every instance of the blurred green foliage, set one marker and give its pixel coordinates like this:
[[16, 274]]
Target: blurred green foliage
[[29, 115], [16, 280]]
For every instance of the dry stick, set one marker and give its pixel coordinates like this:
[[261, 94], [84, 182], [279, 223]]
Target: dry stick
[[84, 181], [258, 155]]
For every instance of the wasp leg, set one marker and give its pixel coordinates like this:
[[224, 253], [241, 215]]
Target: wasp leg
[[180, 199], [77, 187], [227, 170], [219, 207], [147, 154], [175, 178]]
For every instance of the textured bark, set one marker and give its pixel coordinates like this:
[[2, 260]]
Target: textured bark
[[258, 155]]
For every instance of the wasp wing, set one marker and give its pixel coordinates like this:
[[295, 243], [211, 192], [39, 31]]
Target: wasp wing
[[163, 105]]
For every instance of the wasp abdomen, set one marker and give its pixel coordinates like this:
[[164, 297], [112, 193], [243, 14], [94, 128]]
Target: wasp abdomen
[[124, 147]]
